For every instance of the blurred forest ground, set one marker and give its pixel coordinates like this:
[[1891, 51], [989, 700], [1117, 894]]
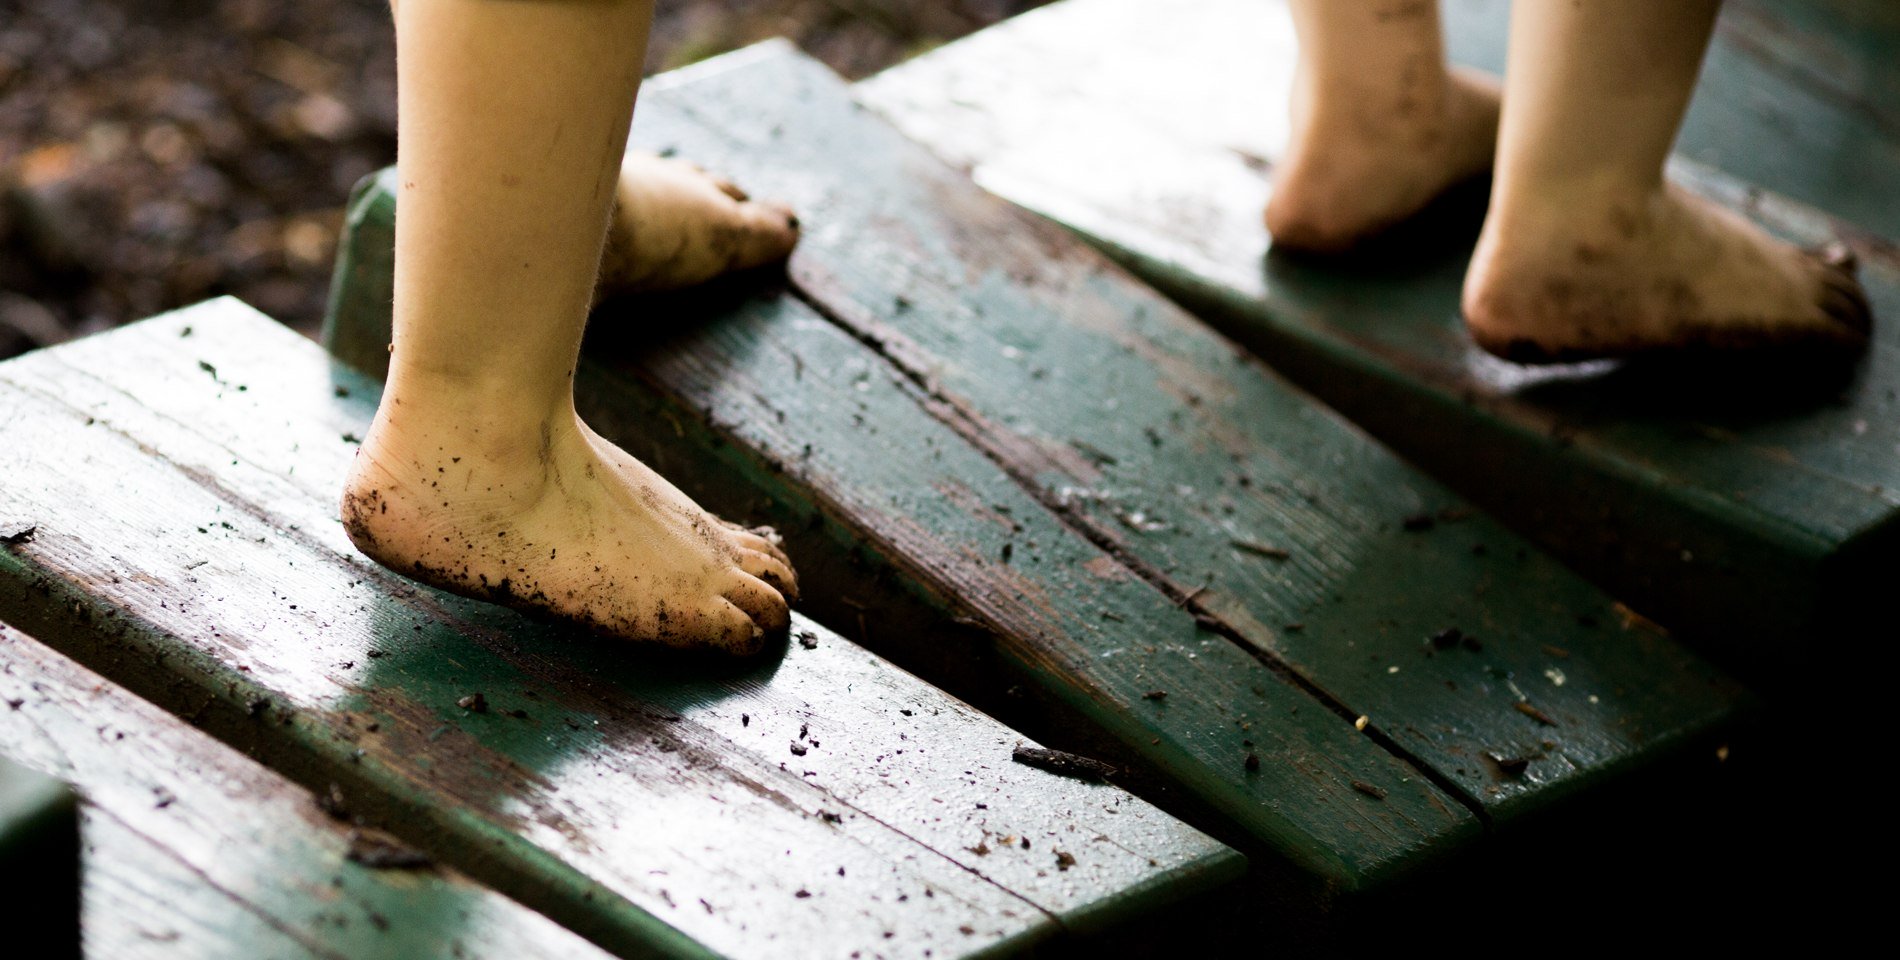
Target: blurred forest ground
[[157, 152]]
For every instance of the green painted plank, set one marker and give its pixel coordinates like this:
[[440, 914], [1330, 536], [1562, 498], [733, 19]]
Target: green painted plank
[[1734, 519], [834, 463], [1204, 472], [191, 849], [911, 294], [627, 790], [838, 448], [39, 854]]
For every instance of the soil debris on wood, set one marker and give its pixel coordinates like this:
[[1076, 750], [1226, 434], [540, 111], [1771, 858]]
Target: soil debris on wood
[[1062, 763], [14, 534], [331, 803], [1155, 695], [1064, 860], [1371, 790], [473, 703], [380, 851], [1261, 549], [1524, 707], [1512, 766], [1419, 522]]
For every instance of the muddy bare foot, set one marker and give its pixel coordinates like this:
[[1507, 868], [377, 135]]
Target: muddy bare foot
[[675, 225], [560, 523], [1573, 278], [1358, 165]]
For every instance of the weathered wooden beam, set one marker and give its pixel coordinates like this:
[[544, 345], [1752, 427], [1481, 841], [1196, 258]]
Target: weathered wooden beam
[[1742, 507], [1193, 555], [191, 849], [184, 476]]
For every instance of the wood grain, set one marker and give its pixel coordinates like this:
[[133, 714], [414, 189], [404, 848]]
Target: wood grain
[[193, 850], [1017, 433], [191, 550], [1736, 513], [1284, 527]]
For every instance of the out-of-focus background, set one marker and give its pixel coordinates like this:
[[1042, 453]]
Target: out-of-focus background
[[157, 152]]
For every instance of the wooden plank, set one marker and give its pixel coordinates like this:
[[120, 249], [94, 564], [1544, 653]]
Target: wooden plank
[[1204, 473], [192, 849], [613, 794], [1017, 369], [39, 855], [835, 463], [1731, 517]]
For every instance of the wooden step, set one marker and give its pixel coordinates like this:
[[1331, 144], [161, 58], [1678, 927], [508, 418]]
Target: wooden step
[[192, 849], [1740, 511], [181, 478], [983, 418]]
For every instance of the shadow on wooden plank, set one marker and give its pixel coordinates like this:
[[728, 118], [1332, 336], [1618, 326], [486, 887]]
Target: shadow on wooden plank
[[39, 851], [1741, 517], [195, 850], [191, 551]]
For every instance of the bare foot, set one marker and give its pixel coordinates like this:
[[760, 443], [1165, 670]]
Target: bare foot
[[1358, 165], [560, 523], [1564, 278], [675, 225]]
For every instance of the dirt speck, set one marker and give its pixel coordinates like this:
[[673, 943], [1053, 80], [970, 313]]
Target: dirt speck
[[1063, 764]]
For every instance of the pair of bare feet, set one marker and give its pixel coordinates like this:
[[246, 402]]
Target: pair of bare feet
[[1579, 257]]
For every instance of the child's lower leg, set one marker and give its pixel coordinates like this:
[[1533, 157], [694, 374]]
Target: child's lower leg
[[1381, 125], [477, 476], [1587, 251]]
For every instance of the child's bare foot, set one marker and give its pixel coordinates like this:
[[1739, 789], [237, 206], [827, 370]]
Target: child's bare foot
[[1559, 278], [553, 520], [1359, 164], [675, 225]]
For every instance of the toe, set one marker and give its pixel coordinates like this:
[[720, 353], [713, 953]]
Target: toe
[[776, 573], [733, 630], [1842, 298], [767, 234], [761, 539], [763, 604], [1839, 256]]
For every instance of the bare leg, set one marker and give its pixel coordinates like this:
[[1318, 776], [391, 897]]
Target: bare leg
[[675, 225], [477, 476], [1381, 126], [1587, 251]]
